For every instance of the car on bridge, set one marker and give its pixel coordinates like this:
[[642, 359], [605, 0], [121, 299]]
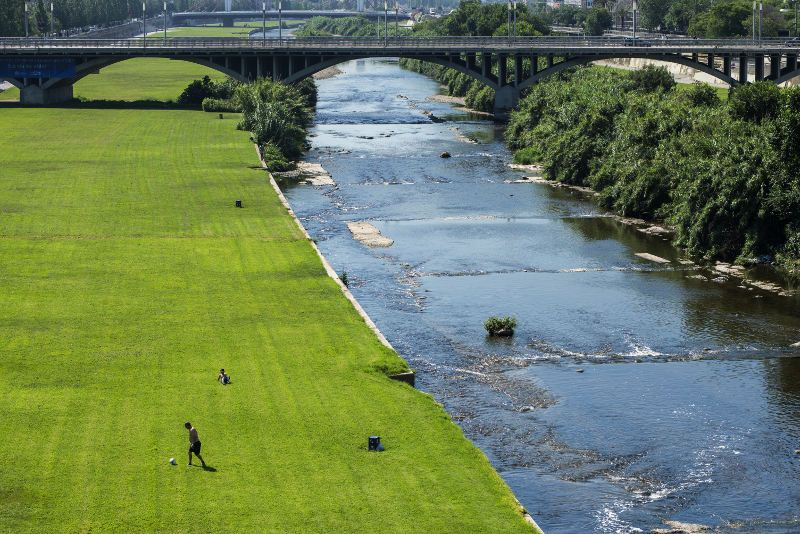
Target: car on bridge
[[635, 41]]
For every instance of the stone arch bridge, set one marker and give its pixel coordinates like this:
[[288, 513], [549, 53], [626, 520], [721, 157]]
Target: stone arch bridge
[[46, 69]]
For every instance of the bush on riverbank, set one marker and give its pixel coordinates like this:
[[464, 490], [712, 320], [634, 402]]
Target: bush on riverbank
[[199, 90], [724, 175], [276, 115], [222, 106]]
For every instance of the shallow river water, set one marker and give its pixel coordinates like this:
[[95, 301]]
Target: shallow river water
[[631, 393]]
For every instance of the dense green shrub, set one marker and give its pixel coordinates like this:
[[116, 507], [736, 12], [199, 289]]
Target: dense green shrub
[[275, 160], [755, 102], [199, 90], [651, 78], [222, 106], [276, 114], [726, 176]]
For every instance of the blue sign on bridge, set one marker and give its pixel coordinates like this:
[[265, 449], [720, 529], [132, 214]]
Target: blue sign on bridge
[[37, 68]]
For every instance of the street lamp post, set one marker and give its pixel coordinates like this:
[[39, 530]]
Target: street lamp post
[[53, 21], [760, 15], [165, 21], [264, 23], [385, 22], [515, 18], [26, 18], [635, 17], [144, 22], [755, 6], [280, 22], [509, 21], [397, 18]]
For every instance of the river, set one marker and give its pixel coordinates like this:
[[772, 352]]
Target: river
[[631, 393]]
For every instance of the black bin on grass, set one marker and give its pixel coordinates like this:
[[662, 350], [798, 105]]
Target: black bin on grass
[[373, 443], [238, 203]]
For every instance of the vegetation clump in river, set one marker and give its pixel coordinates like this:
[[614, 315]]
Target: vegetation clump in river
[[724, 174], [500, 326]]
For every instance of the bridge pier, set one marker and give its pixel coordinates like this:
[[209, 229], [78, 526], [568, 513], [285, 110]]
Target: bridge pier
[[35, 95], [505, 99]]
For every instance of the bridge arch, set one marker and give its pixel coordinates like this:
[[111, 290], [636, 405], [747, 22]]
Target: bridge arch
[[788, 76], [668, 58], [443, 61], [94, 66]]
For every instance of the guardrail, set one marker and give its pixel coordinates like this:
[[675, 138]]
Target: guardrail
[[190, 43]]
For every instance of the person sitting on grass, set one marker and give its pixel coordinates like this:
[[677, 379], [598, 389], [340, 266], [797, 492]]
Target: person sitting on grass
[[194, 443], [223, 378]]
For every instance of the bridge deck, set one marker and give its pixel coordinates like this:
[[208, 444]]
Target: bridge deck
[[394, 46]]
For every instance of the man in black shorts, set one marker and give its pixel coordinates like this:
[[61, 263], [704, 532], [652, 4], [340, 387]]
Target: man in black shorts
[[194, 443]]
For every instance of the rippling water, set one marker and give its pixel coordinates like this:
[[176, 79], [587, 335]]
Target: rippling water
[[631, 393]]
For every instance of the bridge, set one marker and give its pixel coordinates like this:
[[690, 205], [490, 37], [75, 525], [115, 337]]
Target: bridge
[[46, 69], [229, 17]]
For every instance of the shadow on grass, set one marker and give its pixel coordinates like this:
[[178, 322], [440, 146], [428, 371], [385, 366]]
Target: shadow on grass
[[106, 104]]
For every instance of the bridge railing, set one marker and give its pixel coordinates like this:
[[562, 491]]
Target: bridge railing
[[235, 43]]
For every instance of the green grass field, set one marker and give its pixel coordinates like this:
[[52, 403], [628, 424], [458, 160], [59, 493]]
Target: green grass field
[[241, 29], [128, 280]]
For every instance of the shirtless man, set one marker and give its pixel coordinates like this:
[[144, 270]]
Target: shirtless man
[[194, 443]]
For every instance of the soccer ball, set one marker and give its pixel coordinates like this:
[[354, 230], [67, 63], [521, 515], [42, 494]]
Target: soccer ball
[[172, 461]]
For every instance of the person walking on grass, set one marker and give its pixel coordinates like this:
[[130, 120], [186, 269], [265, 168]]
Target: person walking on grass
[[194, 443]]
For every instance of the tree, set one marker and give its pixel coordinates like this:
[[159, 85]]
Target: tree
[[11, 13], [598, 20], [651, 79], [681, 12], [41, 18], [731, 18], [653, 12], [755, 102]]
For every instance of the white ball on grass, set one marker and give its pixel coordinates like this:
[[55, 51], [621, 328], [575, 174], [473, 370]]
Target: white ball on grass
[[172, 461]]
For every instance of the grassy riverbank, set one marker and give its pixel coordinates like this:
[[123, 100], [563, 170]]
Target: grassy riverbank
[[130, 279]]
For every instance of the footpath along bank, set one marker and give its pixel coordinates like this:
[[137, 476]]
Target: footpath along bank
[[128, 280]]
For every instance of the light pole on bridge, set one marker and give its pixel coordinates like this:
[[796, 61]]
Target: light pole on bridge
[[760, 15], [635, 17], [385, 22], [397, 18], [165, 21], [755, 6], [53, 21], [26, 18], [508, 24], [515, 19], [280, 22], [144, 22]]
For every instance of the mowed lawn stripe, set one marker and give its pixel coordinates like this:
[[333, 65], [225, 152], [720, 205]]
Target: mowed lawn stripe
[[127, 279]]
